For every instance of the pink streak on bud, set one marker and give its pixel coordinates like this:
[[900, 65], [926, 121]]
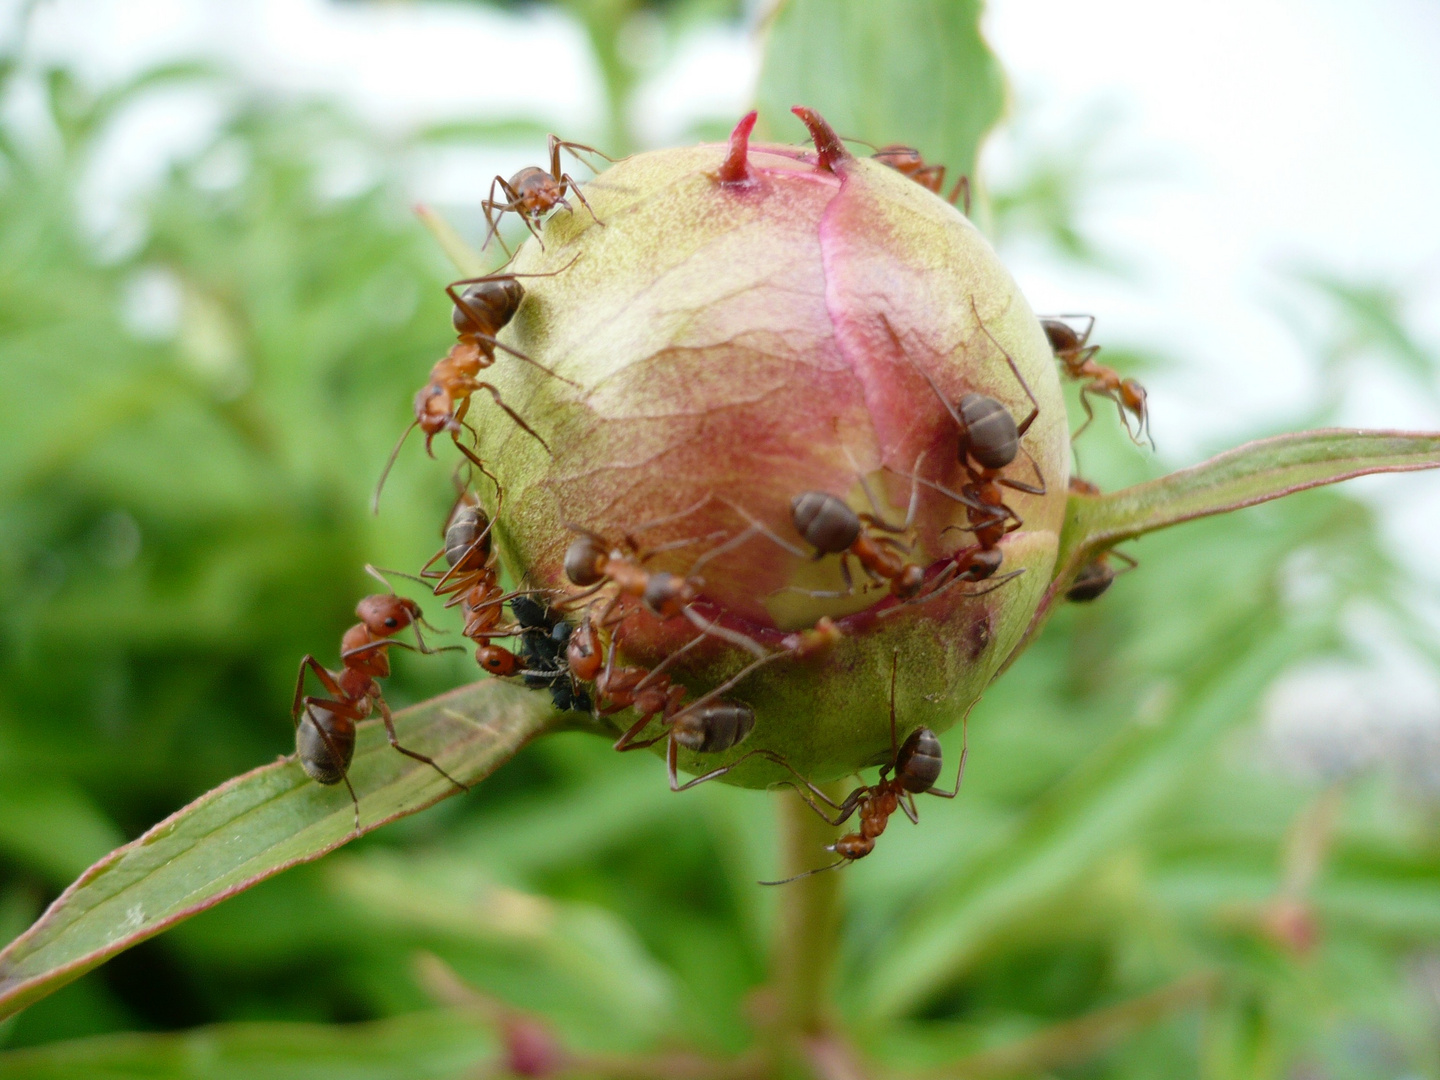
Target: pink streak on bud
[[735, 171], [827, 142]]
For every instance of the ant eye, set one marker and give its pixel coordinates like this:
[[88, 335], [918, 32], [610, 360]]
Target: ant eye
[[392, 622]]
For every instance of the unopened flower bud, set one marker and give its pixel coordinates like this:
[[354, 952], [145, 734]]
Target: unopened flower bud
[[771, 344]]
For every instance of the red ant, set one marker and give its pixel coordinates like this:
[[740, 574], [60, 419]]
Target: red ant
[[1071, 350], [592, 562], [532, 192], [325, 738], [487, 305], [990, 440], [916, 764], [907, 159]]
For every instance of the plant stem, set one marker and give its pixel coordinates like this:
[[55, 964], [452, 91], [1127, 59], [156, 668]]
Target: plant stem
[[808, 930]]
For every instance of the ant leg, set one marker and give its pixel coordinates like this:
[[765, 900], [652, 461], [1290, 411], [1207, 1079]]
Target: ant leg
[[627, 740], [335, 759], [1085, 392], [878, 518], [497, 343], [575, 187], [959, 497], [395, 743], [706, 698], [764, 530], [894, 337], [908, 808], [961, 188], [494, 393], [715, 630], [671, 762], [1024, 425], [894, 744], [659, 668], [492, 204], [326, 679], [964, 753], [1029, 489]]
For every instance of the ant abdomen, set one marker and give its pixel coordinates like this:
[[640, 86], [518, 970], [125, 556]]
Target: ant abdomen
[[324, 744], [487, 306], [826, 522], [467, 539], [918, 764], [714, 727], [993, 438]]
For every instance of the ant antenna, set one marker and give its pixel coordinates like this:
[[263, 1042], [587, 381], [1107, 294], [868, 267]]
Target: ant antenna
[[390, 464], [807, 873]]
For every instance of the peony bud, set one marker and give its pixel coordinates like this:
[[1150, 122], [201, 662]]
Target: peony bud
[[750, 324]]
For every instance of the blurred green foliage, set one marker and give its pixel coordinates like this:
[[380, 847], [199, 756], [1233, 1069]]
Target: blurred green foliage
[[191, 419]]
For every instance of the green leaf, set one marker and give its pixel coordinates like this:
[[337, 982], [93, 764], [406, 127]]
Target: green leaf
[[1246, 476], [912, 71], [1065, 833], [258, 824], [437, 1045]]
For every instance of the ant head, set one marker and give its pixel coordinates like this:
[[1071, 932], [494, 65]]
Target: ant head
[[486, 306], [385, 614], [918, 764], [497, 661], [908, 583], [990, 435], [585, 560], [826, 522]]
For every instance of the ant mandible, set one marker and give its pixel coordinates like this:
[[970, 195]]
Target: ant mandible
[[486, 306], [907, 160], [532, 192], [916, 764], [990, 440], [325, 738], [1129, 396]]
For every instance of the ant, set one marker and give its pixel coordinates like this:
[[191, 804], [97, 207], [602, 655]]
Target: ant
[[990, 440], [916, 764], [708, 726], [831, 527], [1129, 396], [486, 306], [592, 562], [325, 738], [532, 192], [907, 160], [1096, 576]]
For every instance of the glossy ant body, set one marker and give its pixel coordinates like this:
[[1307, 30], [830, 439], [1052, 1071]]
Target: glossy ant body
[[1096, 576], [990, 440], [907, 160], [916, 764], [532, 192], [1078, 358], [325, 736], [481, 311]]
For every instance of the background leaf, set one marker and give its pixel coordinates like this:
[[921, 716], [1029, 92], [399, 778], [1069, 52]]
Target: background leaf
[[257, 825], [916, 72]]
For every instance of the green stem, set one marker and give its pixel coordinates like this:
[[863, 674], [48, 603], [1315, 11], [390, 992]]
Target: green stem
[[808, 932]]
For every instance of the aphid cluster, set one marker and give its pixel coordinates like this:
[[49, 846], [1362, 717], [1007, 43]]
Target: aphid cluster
[[569, 639]]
